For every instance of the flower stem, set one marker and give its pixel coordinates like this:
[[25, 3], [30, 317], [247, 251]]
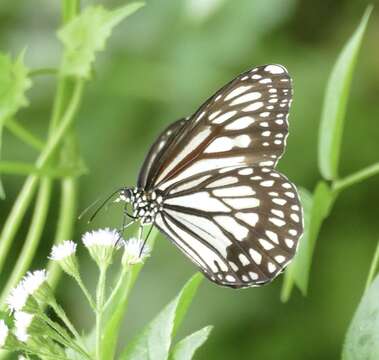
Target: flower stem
[[86, 292], [100, 294], [65, 223], [120, 282], [23, 134], [62, 315], [43, 71], [359, 176], [32, 239], [62, 335]]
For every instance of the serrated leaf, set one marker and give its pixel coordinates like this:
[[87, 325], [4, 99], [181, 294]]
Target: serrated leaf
[[185, 349], [362, 339], [335, 102], [87, 34], [14, 82], [155, 340], [316, 209]]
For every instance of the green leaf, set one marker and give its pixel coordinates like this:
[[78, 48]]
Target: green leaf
[[362, 338], [87, 34], [155, 340], [316, 209], [14, 82], [185, 349], [335, 101]]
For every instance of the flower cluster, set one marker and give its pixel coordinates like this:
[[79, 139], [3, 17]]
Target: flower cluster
[[33, 332]]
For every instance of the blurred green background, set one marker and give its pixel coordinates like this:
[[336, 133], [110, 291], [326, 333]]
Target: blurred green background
[[161, 64]]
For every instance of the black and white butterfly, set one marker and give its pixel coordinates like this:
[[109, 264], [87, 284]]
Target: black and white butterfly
[[209, 182]]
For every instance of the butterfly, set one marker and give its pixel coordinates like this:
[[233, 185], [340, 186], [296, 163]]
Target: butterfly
[[209, 182]]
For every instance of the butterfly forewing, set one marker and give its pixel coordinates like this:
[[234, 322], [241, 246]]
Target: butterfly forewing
[[241, 226], [245, 123]]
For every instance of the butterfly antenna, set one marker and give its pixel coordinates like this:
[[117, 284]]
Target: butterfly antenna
[[105, 201]]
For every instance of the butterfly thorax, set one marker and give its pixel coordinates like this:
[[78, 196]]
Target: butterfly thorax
[[146, 204]]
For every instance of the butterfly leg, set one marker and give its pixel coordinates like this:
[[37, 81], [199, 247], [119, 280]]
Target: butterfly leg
[[145, 240]]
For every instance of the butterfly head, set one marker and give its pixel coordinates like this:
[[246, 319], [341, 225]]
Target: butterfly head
[[145, 204], [126, 195]]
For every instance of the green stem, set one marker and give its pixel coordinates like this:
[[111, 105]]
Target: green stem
[[43, 71], [32, 239], [86, 292], [373, 267], [100, 294], [64, 338], [15, 216], [20, 168], [23, 134], [65, 223], [23, 200], [62, 315], [65, 124], [359, 176], [120, 282]]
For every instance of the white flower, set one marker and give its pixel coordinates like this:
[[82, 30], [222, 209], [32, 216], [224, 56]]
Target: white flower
[[34, 280], [101, 244], [17, 298], [63, 250], [64, 254], [101, 237], [4, 331], [22, 323], [135, 251]]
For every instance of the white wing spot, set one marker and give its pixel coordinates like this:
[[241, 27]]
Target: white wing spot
[[290, 243], [224, 117], [240, 123], [265, 244], [242, 190], [253, 275], [267, 183], [264, 124], [280, 259], [253, 106], [256, 77], [271, 267], [214, 114], [256, 256], [231, 225], [290, 194], [279, 201], [266, 133], [229, 180], [219, 145], [265, 81], [278, 213], [244, 260], [264, 114], [230, 278], [242, 203], [238, 91], [242, 141], [248, 218], [295, 207], [274, 69], [246, 97], [279, 122], [277, 222], [295, 217], [292, 232], [247, 171], [272, 236]]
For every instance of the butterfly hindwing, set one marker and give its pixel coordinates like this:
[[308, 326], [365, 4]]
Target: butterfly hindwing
[[240, 226]]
